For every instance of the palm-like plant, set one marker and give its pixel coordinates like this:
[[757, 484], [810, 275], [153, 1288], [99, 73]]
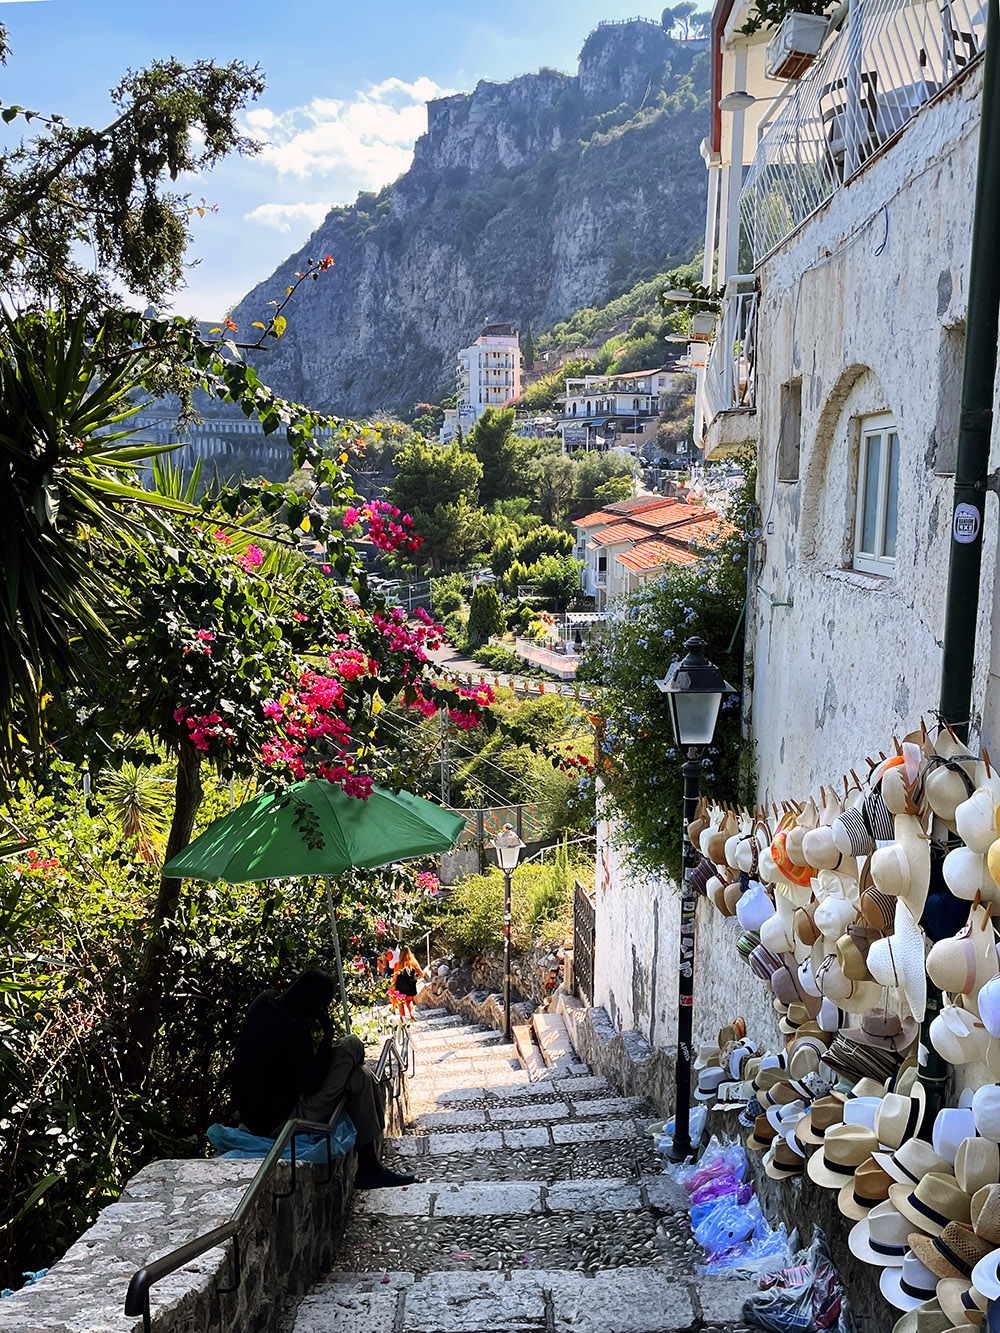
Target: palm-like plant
[[68, 466]]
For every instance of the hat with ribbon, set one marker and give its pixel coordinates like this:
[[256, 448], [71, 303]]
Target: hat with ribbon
[[783, 1159], [880, 1237], [708, 1054], [899, 1118], [948, 777], [985, 1213], [845, 1147], [928, 1317], [884, 1031], [986, 1275], [868, 1187], [912, 1161], [909, 1285], [977, 1169], [763, 1133], [708, 1083], [960, 1302], [954, 1253], [862, 1111], [823, 1115], [933, 1202]]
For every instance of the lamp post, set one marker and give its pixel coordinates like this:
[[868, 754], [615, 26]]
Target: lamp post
[[508, 848], [694, 690]]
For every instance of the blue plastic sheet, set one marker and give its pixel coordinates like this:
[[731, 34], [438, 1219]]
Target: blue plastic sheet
[[230, 1142]]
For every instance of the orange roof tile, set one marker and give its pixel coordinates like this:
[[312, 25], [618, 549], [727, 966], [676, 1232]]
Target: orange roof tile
[[591, 520], [655, 555], [620, 532]]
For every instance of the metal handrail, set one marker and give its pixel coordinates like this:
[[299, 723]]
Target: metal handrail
[[137, 1296]]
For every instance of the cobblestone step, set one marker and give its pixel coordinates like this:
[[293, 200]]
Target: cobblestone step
[[562, 1106]]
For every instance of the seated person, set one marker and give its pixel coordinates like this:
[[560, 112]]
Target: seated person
[[278, 1074]]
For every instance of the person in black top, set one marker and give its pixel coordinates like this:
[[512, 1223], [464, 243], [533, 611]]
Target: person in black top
[[278, 1073]]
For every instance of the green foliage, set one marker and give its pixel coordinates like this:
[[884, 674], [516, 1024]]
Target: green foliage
[[541, 540], [451, 528], [614, 490], [485, 616], [501, 454], [641, 768], [557, 578], [595, 470], [499, 659], [769, 13], [541, 907], [447, 595]]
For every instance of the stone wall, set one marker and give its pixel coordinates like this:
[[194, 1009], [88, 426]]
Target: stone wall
[[286, 1244]]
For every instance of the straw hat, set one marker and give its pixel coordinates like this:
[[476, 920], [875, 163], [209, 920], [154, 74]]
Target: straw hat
[[967, 873], [899, 1118], [948, 777], [715, 843], [954, 1253], [878, 909], [985, 1213], [953, 964], [958, 1036], [977, 1170], [909, 1285], [708, 1083], [852, 951], [870, 1186], [927, 1317], [912, 1161], [797, 873], [778, 931], [898, 960], [884, 1031], [903, 869], [783, 1160], [805, 820], [845, 1147], [986, 1111], [763, 1133], [880, 1237], [960, 1301], [933, 1202], [823, 1115], [975, 820]]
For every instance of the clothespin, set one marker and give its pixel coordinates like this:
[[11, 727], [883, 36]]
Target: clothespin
[[977, 899], [987, 914], [986, 761], [857, 780], [923, 730], [899, 748]]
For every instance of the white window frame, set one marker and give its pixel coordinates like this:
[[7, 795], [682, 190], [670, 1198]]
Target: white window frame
[[875, 562]]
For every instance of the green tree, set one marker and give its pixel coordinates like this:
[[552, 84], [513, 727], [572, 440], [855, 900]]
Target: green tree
[[556, 577], [485, 616], [553, 480], [528, 349], [501, 455], [594, 469], [426, 472], [614, 490]]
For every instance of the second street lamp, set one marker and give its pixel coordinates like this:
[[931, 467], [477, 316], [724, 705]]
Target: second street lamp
[[508, 847], [694, 690]]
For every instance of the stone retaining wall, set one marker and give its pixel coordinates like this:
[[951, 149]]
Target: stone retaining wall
[[286, 1244]]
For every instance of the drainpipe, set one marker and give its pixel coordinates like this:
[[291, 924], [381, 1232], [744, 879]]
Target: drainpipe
[[971, 469], [976, 421]]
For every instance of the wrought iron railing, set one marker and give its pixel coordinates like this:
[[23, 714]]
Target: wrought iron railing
[[584, 935], [730, 373], [392, 1065], [887, 60]]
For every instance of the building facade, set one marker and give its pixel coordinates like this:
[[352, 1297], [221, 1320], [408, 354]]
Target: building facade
[[489, 373]]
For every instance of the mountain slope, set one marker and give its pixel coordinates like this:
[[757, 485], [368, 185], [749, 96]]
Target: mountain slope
[[524, 202]]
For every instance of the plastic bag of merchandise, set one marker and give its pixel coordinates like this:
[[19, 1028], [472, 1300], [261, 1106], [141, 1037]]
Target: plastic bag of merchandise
[[763, 1251], [719, 1161], [696, 1127], [805, 1298]]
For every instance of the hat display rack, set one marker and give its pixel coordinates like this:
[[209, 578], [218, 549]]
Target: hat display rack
[[855, 905]]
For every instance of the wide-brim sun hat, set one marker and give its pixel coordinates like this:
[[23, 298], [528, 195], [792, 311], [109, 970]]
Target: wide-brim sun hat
[[933, 1202], [898, 961], [909, 1285], [954, 1253], [975, 820], [845, 1147], [967, 874], [960, 1301], [880, 1237], [958, 1036], [912, 1161]]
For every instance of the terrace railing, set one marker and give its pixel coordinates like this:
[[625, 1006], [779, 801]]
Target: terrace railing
[[886, 61], [730, 371]]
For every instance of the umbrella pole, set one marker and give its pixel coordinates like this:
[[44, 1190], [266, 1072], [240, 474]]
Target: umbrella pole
[[336, 949]]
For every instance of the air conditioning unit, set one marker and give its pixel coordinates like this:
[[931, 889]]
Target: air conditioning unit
[[794, 47]]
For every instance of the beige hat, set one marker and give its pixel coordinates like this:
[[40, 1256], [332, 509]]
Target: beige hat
[[869, 1186], [823, 1115], [925, 1318], [985, 1212], [899, 1117], [912, 1161], [977, 1167], [845, 1147], [954, 1253], [806, 819], [932, 1203], [783, 1160], [975, 820], [948, 776], [960, 1301]]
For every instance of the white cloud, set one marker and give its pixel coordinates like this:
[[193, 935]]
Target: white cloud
[[280, 217], [365, 142]]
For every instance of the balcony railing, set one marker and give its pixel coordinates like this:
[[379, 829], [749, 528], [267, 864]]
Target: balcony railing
[[730, 375], [874, 74]]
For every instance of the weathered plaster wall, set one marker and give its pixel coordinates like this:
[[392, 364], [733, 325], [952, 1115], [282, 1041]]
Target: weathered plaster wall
[[865, 304], [636, 958]]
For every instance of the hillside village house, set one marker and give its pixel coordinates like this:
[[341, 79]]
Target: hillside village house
[[623, 544], [839, 225], [489, 373], [606, 411]]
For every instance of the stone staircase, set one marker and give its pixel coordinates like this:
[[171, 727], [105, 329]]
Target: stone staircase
[[541, 1207]]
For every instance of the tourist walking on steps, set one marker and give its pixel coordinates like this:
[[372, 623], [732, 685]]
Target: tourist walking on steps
[[404, 982], [278, 1074]]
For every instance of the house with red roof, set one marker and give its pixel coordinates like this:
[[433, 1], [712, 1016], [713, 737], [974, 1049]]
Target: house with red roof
[[622, 544]]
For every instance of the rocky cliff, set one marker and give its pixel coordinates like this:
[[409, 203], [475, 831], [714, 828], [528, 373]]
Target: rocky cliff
[[524, 202]]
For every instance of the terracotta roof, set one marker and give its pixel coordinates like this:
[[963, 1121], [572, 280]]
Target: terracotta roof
[[645, 509], [620, 532], [655, 554], [710, 528], [591, 520]]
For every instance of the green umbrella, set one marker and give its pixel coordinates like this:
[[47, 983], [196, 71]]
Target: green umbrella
[[314, 828]]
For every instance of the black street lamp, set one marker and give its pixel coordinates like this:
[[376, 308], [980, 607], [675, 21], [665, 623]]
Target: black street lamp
[[694, 690], [508, 847]]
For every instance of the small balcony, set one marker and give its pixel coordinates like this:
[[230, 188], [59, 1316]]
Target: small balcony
[[729, 382], [886, 60]]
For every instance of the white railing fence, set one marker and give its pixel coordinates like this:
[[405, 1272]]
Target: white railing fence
[[729, 379], [886, 61]]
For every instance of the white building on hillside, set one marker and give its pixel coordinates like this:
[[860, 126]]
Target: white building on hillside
[[489, 373], [601, 411]]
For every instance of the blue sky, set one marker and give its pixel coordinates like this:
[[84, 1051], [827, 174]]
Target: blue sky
[[344, 102]]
